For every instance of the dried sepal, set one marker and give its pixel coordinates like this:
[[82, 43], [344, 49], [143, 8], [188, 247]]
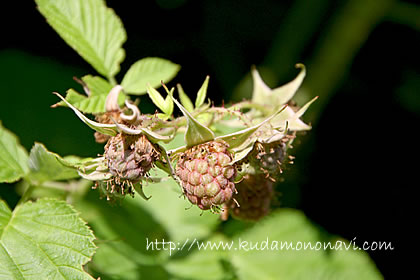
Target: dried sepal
[[292, 118], [238, 138], [111, 103], [262, 94], [93, 170], [153, 136], [135, 113]]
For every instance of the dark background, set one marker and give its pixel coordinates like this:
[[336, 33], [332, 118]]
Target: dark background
[[354, 173]]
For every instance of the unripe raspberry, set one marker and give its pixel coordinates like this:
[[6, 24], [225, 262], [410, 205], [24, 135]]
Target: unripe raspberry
[[206, 175], [253, 199], [268, 158], [129, 159], [271, 156]]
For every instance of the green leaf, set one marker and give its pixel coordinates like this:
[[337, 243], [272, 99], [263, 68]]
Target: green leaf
[[202, 93], [13, 157], [46, 166], [91, 29], [123, 231], [44, 240], [185, 100], [149, 70], [206, 264], [196, 133], [91, 105], [97, 85], [166, 105], [292, 226], [98, 90]]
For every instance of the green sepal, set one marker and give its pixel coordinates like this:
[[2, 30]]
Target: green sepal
[[139, 189], [185, 100], [205, 118], [177, 150], [155, 137], [305, 107], [238, 138], [262, 94], [241, 154], [202, 93], [292, 118], [240, 141], [93, 169], [162, 116], [108, 129], [165, 105], [96, 176], [82, 164], [165, 162], [196, 133]]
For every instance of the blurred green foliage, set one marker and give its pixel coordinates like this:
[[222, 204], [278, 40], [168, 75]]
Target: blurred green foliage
[[225, 39]]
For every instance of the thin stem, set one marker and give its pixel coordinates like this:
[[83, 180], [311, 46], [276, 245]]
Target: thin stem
[[236, 113], [112, 81], [26, 194], [250, 105]]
